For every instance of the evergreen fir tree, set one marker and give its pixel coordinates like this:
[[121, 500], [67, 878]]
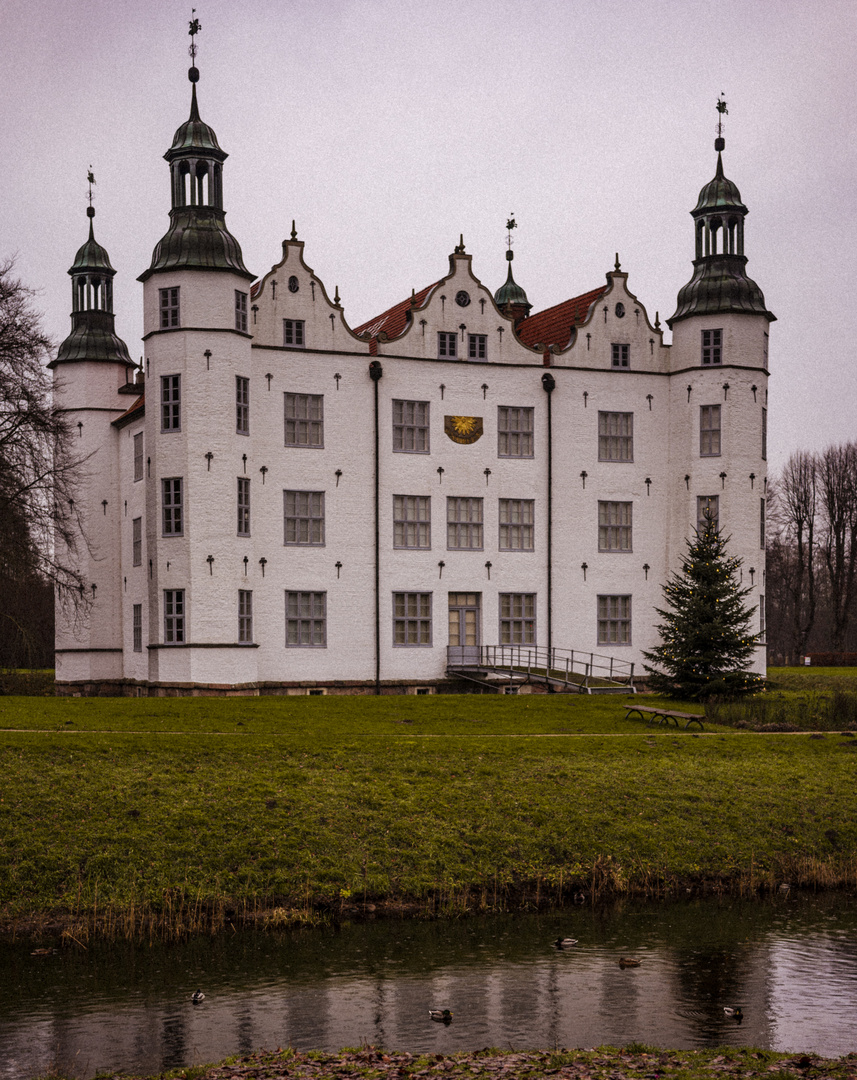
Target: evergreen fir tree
[[706, 643]]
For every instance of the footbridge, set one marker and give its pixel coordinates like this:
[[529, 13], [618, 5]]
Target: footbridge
[[504, 668]]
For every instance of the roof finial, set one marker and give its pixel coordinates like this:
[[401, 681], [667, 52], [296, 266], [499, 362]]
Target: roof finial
[[720, 141], [294, 230], [90, 210], [460, 249], [510, 224], [617, 266], [195, 27]]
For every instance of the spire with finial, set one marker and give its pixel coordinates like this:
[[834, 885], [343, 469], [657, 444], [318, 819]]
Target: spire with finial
[[510, 298], [197, 237], [92, 336], [720, 283]]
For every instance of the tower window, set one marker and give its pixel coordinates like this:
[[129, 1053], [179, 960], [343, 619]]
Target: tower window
[[245, 615], [242, 405], [137, 542], [712, 347], [762, 523], [477, 346], [446, 345], [169, 307], [293, 333], [620, 356], [709, 431], [137, 627], [243, 505], [764, 434], [174, 616], [241, 311], [171, 403], [138, 456], [171, 501]]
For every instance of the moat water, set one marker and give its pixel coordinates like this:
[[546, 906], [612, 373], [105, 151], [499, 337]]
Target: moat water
[[790, 964]]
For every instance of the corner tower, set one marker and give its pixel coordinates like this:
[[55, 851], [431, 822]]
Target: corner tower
[[199, 428], [90, 371]]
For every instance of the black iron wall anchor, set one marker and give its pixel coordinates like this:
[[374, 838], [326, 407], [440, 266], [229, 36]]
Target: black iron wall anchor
[[585, 399], [440, 474], [584, 567], [207, 355], [263, 470], [442, 387], [440, 567], [648, 483], [210, 560], [754, 388], [488, 568], [263, 563], [752, 574], [269, 376], [752, 480], [725, 390], [244, 460], [723, 481], [646, 569], [484, 389], [337, 474], [649, 398], [246, 561], [687, 481], [487, 474], [338, 566], [337, 376], [583, 476], [689, 388], [104, 506], [208, 458]]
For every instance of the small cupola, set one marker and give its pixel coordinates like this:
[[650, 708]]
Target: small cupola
[[92, 319], [720, 282], [197, 237], [510, 298]]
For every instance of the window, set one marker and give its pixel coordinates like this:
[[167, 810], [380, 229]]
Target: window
[[614, 620], [517, 618], [137, 542], [464, 524], [411, 427], [242, 405], [293, 332], [304, 420], [615, 436], [446, 345], [169, 308], [243, 505], [241, 311], [620, 355], [245, 615], [411, 521], [137, 627], [171, 404], [303, 513], [712, 347], [514, 432], [709, 431], [762, 617], [762, 523], [171, 492], [138, 457], [707, 509], [174, 616], [306, 620], [516, 524], [412, 618], [764, 434], [614, 526], [477, 346]]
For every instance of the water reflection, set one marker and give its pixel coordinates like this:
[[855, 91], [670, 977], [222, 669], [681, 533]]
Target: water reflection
[[791, 965]]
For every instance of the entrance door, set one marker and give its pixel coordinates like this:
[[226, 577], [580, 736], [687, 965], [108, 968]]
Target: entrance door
[[464, 627]]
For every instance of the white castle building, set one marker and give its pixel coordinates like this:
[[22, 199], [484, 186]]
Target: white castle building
[[281, 503]]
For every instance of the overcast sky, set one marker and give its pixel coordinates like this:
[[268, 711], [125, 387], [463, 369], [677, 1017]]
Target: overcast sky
[[388, 127]]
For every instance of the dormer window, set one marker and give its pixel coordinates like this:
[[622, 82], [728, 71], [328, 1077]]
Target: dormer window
[[241, 311], [712, 347]]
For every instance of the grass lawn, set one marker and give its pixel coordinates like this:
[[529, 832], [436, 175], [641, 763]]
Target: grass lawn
[[117, 812]]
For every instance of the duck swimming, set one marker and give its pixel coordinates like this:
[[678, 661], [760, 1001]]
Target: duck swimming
[[736, 1013], [565, 942], [442, 1016], [197, 997], [629, 961]]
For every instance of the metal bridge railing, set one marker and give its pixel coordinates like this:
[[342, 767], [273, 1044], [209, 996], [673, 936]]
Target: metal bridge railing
[[585, 670]]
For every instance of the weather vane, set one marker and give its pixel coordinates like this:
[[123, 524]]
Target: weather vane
[[90, 176], [721, 112], [195, 28], [510, 224]]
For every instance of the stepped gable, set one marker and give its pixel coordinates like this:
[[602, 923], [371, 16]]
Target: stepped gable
[[393, 322], [554, 325]]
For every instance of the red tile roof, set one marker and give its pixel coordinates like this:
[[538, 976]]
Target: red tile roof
[[138, 406], [394, 321], [553, 325]]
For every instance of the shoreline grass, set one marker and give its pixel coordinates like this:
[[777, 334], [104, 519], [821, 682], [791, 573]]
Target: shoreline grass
[[290, 810]]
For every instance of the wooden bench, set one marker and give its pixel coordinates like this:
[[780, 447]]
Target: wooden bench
[[664, 716]]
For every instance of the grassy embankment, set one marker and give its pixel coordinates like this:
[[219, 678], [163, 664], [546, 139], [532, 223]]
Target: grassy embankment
[[130, 816], [604, 1063]]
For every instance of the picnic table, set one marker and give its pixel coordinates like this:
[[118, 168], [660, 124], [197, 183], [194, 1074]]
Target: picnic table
[[663, 715]]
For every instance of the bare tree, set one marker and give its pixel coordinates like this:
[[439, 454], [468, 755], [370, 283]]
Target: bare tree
[[39, 526], [837, 487], [793, 501]]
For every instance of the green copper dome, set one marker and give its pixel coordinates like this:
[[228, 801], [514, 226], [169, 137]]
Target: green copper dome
[[92, 257], [195, 137], [511, 292], [719, 194]]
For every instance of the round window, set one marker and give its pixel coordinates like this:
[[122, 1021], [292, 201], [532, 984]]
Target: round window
[[462, 298], [294, 285], [620, 311]]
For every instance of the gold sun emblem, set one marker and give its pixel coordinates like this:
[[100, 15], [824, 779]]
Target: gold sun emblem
[[464, 425]]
